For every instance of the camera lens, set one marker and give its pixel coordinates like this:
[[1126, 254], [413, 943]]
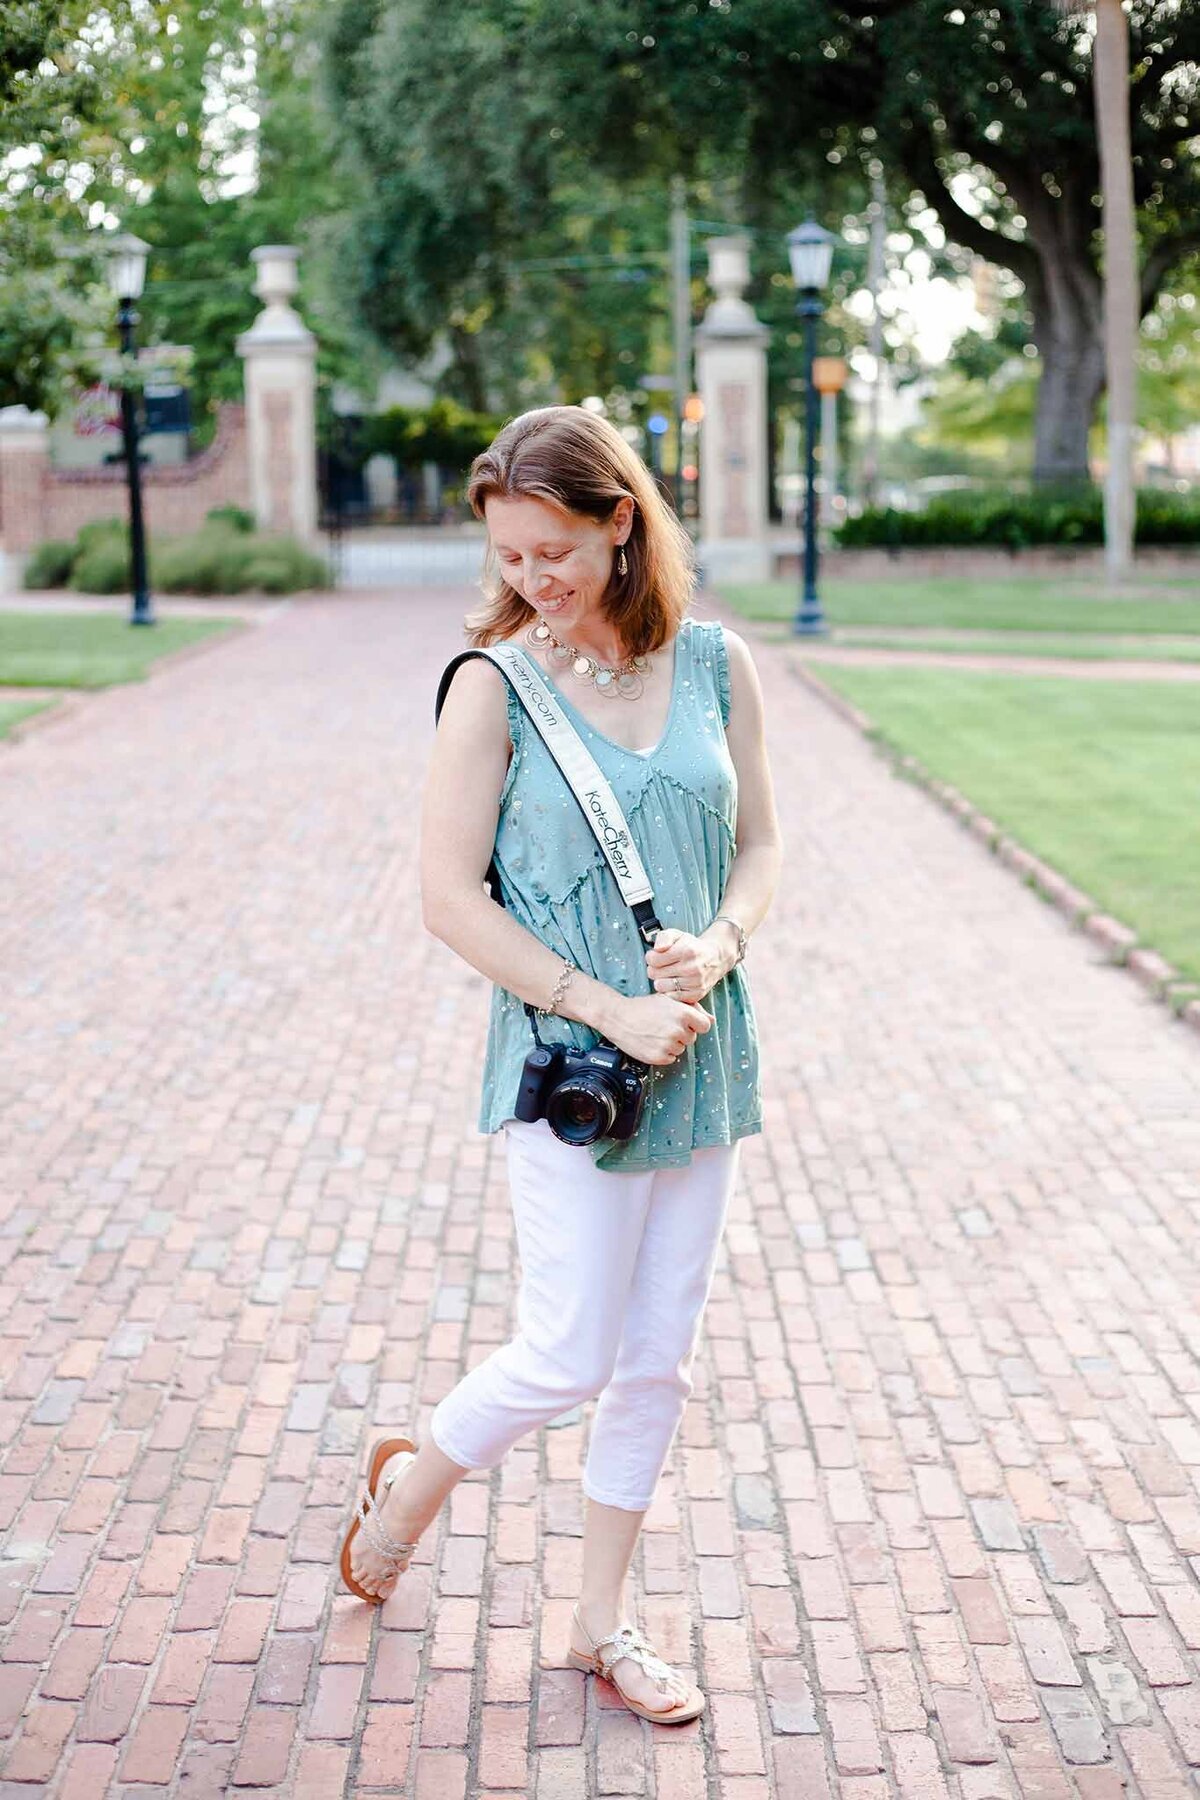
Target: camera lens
[[581, 1109]]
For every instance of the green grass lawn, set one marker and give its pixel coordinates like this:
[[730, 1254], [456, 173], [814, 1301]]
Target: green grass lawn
[[1083, 647], [13, 711], [1066, 604], [1100, 779], [89, 650]]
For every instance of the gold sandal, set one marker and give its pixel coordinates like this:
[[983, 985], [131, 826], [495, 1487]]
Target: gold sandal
[[628, 1641], [367, 1518]]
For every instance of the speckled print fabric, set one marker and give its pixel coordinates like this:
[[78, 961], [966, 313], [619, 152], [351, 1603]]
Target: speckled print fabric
[[680, 801]]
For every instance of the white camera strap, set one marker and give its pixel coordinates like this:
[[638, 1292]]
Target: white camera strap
[[599, 804]]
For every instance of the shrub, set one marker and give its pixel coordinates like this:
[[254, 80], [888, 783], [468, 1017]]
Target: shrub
[[220, 558], [217, 560], [1166, 518], [103, 568], [283, 568], [202, 562], [1016, 521], [99, 531], [235, 517], [49, 566]]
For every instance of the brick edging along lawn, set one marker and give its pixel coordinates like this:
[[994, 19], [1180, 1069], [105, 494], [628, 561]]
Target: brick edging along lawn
[[1119, 941]]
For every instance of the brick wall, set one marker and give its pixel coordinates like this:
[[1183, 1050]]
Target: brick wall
[[38, 503]]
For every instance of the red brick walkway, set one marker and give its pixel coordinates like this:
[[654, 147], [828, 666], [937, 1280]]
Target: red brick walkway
[[931, 1527]]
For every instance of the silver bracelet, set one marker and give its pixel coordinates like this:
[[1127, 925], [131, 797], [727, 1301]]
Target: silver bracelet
[[560, 988], [730, 920]]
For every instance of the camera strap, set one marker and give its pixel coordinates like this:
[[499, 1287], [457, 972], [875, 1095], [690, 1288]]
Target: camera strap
[[579, 768]]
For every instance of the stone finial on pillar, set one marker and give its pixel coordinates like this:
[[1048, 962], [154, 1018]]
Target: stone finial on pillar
[[731, 376], [280, 353]]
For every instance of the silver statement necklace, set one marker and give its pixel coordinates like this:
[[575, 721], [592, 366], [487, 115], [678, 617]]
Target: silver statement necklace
[[625, 680]]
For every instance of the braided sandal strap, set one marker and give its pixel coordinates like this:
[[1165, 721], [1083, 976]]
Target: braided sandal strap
[[628, 1641], [371, 1521]]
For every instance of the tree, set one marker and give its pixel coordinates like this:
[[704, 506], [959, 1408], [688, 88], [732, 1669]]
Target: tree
[[984, 398], [202, 125], [985, 109], [1169, 362], [52, 111]]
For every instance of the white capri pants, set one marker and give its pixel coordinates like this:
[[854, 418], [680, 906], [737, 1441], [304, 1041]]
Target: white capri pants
[[616, 1268]]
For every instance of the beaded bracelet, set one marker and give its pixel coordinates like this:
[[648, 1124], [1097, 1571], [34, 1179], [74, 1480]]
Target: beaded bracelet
[[560, 988]]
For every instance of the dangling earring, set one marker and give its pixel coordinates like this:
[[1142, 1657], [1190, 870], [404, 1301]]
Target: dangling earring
[[622, 563]]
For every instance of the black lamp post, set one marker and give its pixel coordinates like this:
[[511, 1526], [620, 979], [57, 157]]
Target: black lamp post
[[127, 275], [810, 248]]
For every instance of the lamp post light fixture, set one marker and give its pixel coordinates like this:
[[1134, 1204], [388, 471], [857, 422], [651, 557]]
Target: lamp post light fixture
[[810, 248], [126, 277]]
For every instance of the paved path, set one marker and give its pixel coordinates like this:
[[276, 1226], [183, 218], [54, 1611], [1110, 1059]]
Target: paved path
[[932, 1519]]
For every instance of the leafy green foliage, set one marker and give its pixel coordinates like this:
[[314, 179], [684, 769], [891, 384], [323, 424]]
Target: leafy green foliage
[[983, 406], [102, 566], [442, 432], [202, 126], [512, 197], [1015, 522], [49, 565], [217, 560], [476, 121], [223, 557], [236, 518]]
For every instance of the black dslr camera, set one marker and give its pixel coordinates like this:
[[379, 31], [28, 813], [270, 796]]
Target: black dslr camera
[[583, 1095]]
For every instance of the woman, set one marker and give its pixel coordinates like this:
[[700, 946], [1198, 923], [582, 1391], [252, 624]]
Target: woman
[[618, 1240]]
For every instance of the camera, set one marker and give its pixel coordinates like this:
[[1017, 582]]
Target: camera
[[583, 1095]]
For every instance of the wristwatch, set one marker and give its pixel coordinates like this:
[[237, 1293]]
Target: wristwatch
[[741, 955]]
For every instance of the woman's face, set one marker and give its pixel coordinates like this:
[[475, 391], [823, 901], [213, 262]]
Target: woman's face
[[560, 562]]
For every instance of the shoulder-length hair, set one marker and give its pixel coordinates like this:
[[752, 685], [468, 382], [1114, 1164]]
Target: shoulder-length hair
[[571, 459]]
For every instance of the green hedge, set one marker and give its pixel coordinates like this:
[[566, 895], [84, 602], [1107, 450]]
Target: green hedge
[[1018, 521], [226, 556], [49, 566]]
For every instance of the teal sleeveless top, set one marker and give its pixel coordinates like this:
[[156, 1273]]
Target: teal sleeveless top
[[680, 801]]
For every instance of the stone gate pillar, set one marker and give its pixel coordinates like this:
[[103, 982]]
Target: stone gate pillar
[[279, 353], [24, 467], [731, 377]]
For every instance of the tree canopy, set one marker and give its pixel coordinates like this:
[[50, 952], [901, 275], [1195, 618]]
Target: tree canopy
[[198, 124], [470, 116]]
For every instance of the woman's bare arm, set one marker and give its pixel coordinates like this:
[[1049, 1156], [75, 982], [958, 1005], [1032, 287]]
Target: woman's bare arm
[[755, 872], [460, 810]]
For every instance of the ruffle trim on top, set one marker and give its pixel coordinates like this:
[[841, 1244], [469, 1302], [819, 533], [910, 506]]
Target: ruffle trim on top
[[720, 656], [516, 732], [596, 866], [685, 787]]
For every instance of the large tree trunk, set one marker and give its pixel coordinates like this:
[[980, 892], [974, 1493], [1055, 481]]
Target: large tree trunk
[[465, 379], [1072, 353], [1067, 300]]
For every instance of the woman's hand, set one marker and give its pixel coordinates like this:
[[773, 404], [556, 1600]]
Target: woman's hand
[[655, 1029], [684, 966]]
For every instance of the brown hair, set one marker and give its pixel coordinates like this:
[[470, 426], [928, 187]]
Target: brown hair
[[574, 460]]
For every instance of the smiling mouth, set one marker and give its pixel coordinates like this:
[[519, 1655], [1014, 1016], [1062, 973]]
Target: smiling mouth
[[554, 605]]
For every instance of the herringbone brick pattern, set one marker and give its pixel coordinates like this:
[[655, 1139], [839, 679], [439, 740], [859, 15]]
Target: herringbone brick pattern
[[931, 1528]]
